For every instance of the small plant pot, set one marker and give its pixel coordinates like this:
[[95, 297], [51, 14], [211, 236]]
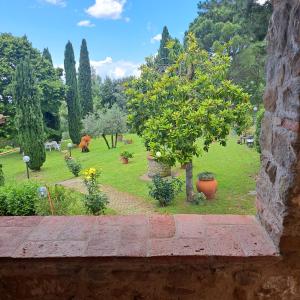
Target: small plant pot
[[124, 160], [207, 187]]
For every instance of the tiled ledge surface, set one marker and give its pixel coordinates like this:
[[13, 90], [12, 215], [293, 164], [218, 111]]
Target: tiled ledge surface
[[133, 236]]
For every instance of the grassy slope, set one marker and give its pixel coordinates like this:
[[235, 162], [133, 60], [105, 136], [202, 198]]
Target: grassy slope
[[235, 167]]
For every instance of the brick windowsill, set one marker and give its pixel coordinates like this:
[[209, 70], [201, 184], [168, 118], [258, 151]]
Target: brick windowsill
[[133, 236]]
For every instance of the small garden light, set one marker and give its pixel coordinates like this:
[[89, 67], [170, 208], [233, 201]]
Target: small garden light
[[26, 160], [70, 146], [43, 192]]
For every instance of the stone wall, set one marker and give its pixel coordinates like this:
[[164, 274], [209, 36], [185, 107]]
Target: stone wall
[[278, 199]]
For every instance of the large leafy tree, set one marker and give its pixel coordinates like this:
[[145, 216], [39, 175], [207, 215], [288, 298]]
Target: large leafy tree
[[12, 51], [29, 119], [74, 110], [85, 80], [193, 99], [242, 26]]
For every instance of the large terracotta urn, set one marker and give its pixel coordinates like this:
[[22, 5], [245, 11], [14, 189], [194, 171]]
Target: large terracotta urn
[[207, 184]]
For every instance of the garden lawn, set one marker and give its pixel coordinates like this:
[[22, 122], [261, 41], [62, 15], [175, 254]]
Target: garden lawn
[[235, 166]]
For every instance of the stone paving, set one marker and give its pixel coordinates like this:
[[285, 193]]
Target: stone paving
[[133, 236], [122, 203]]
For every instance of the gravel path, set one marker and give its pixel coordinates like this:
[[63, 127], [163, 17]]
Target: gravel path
[[121, 202]]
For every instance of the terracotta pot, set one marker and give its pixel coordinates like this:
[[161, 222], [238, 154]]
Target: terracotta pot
[[207, 187], [124, 160]]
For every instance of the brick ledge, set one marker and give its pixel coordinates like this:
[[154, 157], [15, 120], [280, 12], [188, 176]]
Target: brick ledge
[[134, 236]]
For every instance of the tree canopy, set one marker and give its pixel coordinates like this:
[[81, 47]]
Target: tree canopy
[[192, 99]]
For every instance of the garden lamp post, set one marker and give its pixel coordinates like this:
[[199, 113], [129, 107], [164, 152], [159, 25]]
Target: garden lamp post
[[70, 146], [26, 160]]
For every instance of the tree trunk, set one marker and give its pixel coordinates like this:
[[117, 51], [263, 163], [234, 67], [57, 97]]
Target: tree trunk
[[112, 141], [116, 140], [105, 139], [189, 182]]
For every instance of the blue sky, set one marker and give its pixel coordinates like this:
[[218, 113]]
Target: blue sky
[[119, 33]]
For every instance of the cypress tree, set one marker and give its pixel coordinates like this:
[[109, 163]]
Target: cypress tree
[[74, 112], [163, 52], [85, 81], [47, 56], [29, 118]]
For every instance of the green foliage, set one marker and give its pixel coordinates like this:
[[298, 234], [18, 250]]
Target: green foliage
[[259, 118], [12, 51], [95, 200], [74, 110], [206, 176], [193, 99], [74, 166], [47, 55], [112, 121], [110, 92], [241, 26], [65, 202], [85, 80], [18, 199], [199, 198], [29, 119], [2, 178], [126, 154], [165, 190]]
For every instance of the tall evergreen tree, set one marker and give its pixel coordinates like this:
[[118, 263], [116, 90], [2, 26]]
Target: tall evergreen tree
[[85, 80], [74, 111], [163, 56], [29, 118], [53, 94], [47, 56]]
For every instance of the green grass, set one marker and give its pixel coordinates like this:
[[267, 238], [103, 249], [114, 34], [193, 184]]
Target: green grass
[[235, 167]]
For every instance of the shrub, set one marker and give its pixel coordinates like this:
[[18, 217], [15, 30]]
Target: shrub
[[3, 202], [74, 166], [19, 199], [199, 198], [2, 179], [96, 200], [165, 190], [65, 202]]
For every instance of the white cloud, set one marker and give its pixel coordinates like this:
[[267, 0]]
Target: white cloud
[[156, 38], [85, 23], [57, 2], [115, 69], [107, 9]]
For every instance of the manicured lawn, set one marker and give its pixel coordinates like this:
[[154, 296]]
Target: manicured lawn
[[235, 167]]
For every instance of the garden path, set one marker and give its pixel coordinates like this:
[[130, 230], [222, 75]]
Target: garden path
[[121, 202]]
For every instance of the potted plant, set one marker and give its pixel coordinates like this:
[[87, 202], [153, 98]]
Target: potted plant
[[157, 167], [207, 184], [125, 155]]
